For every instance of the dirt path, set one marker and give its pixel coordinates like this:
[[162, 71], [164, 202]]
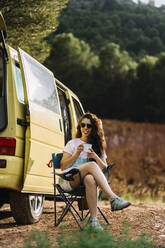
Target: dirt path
[[143, 218]]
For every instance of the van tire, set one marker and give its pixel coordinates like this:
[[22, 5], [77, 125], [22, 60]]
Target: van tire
[[26, 208]]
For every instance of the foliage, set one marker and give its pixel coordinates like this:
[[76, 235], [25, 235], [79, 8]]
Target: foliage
[[91, 238], [37, 239], [137, 28], [88, 238], [72, 61], [28, 22], [109, 81]]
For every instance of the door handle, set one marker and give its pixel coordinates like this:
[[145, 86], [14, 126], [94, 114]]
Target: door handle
[[23, 122], [60, 125]]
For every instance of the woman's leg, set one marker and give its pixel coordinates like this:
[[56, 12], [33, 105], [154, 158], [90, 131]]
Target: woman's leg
[[91, 197], [93, 169], [91, 194]]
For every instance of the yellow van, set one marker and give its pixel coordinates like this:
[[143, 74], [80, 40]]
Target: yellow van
[[38, 115]]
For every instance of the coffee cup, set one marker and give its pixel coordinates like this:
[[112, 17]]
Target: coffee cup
[[87, 147]]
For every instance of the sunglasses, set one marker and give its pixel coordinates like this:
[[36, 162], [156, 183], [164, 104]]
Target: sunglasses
[[87, 125]]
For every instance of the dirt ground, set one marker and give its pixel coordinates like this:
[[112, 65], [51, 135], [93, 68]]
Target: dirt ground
[[142, 218]]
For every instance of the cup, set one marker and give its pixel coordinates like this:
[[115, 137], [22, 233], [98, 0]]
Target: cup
[[87, 147]]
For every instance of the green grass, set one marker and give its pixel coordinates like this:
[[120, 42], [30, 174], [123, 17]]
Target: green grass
[[131, 198], [102, 239], [37, 239], [89, 238]]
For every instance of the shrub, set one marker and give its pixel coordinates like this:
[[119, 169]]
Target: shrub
[[99, 239], [37, 239]]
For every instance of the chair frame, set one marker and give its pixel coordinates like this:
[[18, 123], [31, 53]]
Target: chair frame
[[75, 194]]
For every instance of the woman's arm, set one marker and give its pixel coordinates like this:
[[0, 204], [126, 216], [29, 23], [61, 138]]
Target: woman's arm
[[100, 161], [68, 159]]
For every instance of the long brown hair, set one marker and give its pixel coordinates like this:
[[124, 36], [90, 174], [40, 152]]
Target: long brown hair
[[96, 137]]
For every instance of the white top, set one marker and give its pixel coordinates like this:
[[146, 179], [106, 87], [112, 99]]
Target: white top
[[71, 147]]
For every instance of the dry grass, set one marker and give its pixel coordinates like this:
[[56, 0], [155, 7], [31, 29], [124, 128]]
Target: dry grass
[[138, 150]]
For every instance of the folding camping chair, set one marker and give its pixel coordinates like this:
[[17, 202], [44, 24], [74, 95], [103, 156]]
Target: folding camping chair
[[69, 197]]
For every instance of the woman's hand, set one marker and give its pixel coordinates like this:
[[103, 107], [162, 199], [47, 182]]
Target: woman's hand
[[68, 159], [92, 154], [101, 163], [80, 148]]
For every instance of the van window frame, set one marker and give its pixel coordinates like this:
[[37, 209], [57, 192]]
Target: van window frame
[[68, 132], [77, 106], [20, 93], [3, 96]]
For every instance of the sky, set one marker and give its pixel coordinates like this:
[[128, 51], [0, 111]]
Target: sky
[[158, 3]]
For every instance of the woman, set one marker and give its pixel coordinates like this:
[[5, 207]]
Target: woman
[[89, 131]]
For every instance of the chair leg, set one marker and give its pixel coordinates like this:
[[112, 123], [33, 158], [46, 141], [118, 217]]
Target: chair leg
[[68, 207], [86, 215], [103, 216], [55, 211]]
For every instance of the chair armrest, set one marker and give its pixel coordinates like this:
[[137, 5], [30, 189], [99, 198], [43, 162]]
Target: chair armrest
[[106, 170], [111, 165], [69, 173]]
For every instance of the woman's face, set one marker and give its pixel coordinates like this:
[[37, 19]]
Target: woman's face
[[86, 128]]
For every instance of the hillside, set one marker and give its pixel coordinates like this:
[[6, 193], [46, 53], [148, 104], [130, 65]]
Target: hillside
[[138, 150], [105, 47], [137, 28]]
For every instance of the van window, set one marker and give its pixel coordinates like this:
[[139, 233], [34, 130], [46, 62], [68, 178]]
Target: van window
[[40, 83], [78, 109], [18, 82], [65, 115], [3, 96]]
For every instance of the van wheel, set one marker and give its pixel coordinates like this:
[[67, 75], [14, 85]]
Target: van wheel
[[26, 208]]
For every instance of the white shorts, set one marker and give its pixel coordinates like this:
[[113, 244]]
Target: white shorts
[[65, 185]]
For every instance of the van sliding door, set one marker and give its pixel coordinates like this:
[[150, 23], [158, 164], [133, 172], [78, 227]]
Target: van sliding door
[[44, 133]]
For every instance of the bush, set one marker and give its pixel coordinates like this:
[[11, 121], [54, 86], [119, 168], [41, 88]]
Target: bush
[[99, 239], [89, 238], [37, 239]]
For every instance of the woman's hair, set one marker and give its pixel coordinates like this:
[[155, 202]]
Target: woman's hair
[[96, 137]]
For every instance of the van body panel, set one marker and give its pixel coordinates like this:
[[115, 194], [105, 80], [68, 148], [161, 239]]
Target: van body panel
[[19, 107], [11, 177], [45, 188], [44, 134]]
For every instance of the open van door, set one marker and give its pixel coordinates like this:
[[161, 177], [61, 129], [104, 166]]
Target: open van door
[[44, 134]]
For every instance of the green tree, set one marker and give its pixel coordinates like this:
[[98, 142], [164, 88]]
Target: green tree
[[28, 22], [159, 88], [72, 62], [143, 95], [109, 81], [132, 26]]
